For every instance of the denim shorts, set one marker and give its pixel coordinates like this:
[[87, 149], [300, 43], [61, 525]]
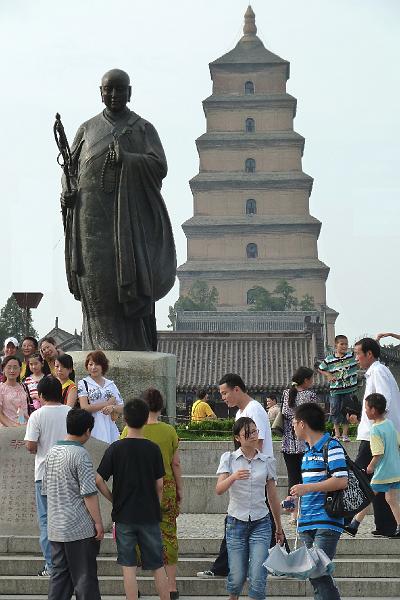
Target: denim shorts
[[147, 537], [385, 487], [336, 404]]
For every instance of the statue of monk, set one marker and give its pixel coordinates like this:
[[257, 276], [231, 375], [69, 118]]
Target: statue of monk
[[119, 247]]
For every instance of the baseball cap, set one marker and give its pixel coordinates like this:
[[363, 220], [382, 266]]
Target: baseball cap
[[11, 340]]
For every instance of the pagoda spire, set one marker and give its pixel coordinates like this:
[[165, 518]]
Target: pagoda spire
[[249, 28]]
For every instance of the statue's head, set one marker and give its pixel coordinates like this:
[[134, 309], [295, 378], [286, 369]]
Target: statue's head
[[115, 89]]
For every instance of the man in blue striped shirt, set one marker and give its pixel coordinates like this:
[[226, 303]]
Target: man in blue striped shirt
[[315, 526]]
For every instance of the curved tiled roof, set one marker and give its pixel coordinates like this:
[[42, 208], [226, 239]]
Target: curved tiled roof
[[263, 361]]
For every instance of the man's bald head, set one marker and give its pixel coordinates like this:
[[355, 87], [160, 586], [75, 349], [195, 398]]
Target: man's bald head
[[115, 89]]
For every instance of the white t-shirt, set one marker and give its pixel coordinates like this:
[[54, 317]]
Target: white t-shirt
[[46, 426], [378, 379], [255, 411]]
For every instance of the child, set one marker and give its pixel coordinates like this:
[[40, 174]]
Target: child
[[340, 369], [385, 463], [45, 427], [245, 473], [137, 468], [64, 367], [75, 527], [35, 364]]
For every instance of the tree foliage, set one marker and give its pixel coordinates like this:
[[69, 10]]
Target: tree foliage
[[12, 321], [281, 299], [200, 297]]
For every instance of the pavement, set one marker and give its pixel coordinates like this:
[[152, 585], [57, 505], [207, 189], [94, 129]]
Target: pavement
[[212, 526]]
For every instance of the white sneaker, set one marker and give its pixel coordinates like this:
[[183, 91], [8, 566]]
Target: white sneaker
[[205, 574]]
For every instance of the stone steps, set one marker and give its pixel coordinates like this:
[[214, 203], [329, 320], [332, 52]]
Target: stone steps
[[350, 566], [195, 460], [198, 547], [19, 597], [365, 567], [199, 494], [387, 587]]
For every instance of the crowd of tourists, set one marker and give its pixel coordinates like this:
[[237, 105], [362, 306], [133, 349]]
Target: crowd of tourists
[[38, 389]]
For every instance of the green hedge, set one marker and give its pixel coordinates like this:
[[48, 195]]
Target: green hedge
[[215, 428]]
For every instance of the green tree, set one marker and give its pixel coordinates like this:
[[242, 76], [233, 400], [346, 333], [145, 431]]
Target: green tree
[[12, 321], [261, 299], [200, 297], [307, 302], [285, 291]]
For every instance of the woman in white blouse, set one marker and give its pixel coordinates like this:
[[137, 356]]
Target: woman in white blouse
[[101, 397], [246, 473]]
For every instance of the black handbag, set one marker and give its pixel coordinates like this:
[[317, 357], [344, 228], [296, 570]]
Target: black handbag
[[357, 496]]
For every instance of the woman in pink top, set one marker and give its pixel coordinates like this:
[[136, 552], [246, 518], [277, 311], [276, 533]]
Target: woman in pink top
[[13, 400]]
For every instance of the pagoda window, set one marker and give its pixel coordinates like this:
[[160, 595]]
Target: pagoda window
[[251, 298], [252, 251], [250, 125], [250, 165], [251, 207], [249, 87]]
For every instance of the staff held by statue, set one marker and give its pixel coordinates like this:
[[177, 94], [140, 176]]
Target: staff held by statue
[[64, 159]]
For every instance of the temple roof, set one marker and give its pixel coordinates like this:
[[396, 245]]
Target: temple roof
[[249, 49], [262, 360]]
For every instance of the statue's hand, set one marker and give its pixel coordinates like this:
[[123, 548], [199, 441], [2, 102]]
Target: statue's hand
[[116, 147], [68, 199]]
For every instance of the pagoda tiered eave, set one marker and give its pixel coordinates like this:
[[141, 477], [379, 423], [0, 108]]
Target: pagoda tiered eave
[[210, 180], [248, 269], [204, 226], [242, 140], [250, 102]]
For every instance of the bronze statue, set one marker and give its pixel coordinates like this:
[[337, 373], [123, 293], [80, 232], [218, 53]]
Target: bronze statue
[[119, 247]]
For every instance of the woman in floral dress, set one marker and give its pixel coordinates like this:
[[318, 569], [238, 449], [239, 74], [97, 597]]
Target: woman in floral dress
[[293, 449]]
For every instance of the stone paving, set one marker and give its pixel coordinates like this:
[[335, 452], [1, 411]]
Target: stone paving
[[212, 526]]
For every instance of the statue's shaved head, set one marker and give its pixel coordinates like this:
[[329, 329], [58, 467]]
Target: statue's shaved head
[[116, 75], [115, 89]]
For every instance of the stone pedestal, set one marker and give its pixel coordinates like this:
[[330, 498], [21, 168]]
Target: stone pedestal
[[17, 483], [133, 372]]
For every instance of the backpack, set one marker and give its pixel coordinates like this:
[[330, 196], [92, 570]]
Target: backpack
[[358, 494]]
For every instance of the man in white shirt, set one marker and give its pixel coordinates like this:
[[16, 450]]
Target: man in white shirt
[[233, 392], [45, 427], [378, 379]]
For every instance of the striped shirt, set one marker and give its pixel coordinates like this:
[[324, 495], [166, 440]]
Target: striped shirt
[[344, 369], [68, 478], [314, 470]]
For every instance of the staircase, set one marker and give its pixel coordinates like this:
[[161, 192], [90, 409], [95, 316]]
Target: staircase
[[365, 566]]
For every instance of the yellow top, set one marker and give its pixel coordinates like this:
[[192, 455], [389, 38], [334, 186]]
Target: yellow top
[[201, 411]]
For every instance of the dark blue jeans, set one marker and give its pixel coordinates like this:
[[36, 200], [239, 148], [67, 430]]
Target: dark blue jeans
[[248, 544], [326, 539]]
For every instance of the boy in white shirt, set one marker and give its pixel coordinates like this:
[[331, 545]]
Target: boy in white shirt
[[45, 427]]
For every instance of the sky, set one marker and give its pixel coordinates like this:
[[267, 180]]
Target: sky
[[344, 71]]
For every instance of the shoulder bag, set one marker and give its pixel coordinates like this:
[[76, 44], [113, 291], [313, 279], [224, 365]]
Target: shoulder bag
[[358, 494]]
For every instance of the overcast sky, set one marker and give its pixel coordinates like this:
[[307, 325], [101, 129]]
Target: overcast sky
[[344, 64]]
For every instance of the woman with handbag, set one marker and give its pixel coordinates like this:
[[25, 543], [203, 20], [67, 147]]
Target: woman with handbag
[[246, 473], [293, 449], [316, 527]]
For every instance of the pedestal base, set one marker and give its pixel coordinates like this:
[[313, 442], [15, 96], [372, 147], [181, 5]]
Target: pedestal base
[[133, 372], [17, 483]]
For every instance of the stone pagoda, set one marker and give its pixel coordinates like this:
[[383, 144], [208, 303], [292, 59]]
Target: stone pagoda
[[252, 225]]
